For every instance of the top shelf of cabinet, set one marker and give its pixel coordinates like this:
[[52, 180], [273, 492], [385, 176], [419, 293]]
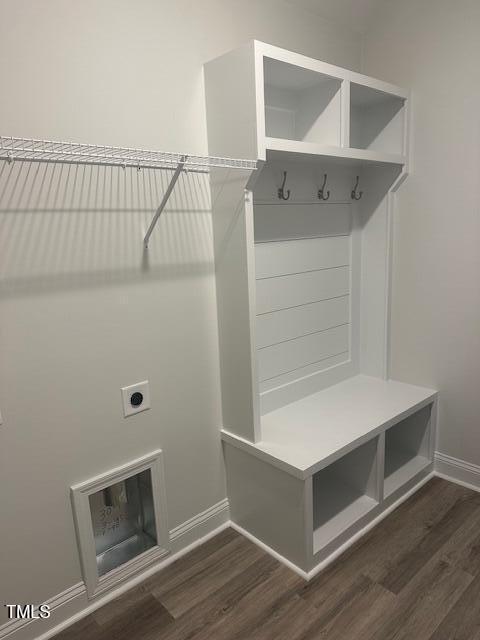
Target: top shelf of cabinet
[[306, 436], [263, 100]]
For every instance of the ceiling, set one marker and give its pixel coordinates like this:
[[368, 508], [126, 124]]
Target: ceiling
[[355, 14]]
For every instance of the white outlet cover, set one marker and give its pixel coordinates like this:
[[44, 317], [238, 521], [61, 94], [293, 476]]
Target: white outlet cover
[[127, 393]]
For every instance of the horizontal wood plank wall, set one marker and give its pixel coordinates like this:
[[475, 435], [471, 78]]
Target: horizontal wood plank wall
[[303, 290], [287, 324], [280, 221], [284, 292], [299, 352], [293, 376], [273, 259]]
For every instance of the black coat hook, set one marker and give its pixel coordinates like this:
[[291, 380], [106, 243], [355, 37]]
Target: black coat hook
[[356, 195], [322, 194], [282, 194]]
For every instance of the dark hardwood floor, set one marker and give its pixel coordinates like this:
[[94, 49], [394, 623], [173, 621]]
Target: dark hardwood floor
[[415, 576]]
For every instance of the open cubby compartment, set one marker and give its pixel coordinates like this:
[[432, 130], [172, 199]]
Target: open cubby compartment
[[301, 104], [407, 449], [344, 492], [377, 120]]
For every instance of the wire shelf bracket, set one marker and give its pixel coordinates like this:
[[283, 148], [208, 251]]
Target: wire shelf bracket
[[34, 150], [164, 201]]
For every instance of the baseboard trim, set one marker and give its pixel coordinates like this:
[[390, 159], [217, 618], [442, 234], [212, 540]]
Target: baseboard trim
[[199, 519], [184, 538], [61, 599], [459, 471], [269, 550]]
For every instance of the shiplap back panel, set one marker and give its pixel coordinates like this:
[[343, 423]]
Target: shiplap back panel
[[273, 259], [286, 324], [290, 355], [274, 294], [303, 284], [278, 221], [292, 378], [306, 296]]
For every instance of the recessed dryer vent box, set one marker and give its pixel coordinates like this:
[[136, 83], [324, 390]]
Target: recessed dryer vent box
[[121, 522]]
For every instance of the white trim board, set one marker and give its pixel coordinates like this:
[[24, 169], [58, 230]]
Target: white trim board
[[198, 520], [459, 471], [13, 627], [72, 604]]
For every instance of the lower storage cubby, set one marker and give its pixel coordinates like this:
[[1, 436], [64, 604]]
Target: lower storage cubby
[[407, 446], [343, 492]]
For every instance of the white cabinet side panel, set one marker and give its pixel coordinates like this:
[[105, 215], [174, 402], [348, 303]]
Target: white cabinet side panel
[[230, 92], [269, 503], [374, 211], [235, 320]]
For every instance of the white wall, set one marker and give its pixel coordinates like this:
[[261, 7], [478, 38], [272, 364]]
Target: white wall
[[433, 46], [82, 312]]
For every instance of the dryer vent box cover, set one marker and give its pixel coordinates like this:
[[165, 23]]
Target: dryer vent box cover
[[121, 522]]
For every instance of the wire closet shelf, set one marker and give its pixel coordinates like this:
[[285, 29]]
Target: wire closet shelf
[[29, 149], [33, 150]]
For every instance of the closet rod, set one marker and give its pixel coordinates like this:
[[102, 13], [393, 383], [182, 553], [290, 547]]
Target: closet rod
[[34, 150]]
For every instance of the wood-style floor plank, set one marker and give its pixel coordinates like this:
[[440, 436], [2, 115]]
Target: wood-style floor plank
[[144, 621], [216, 605], [412, 560], [182, 594], [201, 559], [463, 619], [287, 622], [258, 604], [415, 576], [421, 607], [351, 612], [85, 628]]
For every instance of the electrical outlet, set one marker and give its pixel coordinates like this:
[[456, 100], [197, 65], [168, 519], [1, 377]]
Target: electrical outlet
[[136, 398]]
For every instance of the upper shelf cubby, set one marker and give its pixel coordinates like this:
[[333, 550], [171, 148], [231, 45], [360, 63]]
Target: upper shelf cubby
[[301, 104], [263, 99], [377, 120]]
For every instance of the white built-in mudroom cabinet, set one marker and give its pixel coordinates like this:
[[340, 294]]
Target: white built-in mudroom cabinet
[[319, 442]]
